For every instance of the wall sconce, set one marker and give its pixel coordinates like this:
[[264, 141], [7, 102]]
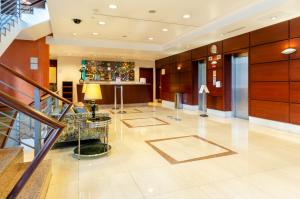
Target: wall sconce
[[163, 71], [288, 51], [178, 67]]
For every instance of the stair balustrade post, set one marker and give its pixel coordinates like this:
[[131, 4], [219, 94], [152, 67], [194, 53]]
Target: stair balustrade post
[[37, 124]]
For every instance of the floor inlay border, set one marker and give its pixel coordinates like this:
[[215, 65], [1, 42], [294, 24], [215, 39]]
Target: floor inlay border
[[172, 160], [130, 126], [130, 111]]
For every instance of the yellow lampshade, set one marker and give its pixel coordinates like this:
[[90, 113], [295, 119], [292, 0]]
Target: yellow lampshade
[[83, 88], [92, 92]]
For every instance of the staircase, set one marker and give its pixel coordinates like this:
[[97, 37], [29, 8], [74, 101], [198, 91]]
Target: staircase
[[12, 167], [7, 117], [19, 122], [16, 16]]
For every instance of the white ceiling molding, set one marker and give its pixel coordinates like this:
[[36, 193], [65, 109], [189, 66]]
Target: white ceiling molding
[[104, 44], [232, 18]]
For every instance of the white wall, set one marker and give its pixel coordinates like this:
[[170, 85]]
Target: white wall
[[68, 70]]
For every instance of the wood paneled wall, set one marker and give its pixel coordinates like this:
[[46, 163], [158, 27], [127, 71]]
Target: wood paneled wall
[[179, 77], [274, 78]]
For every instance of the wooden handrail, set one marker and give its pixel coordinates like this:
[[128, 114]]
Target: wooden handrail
[[54, 133], [26, 79], [24, 108]]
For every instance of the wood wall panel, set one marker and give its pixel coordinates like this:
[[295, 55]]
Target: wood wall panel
[[272, 91], [295, 70], [294, 28], [295, 113], [236, 43], [199, 53], [213, 91], [268, 52], [269, 34], [184, 66], [295, 92], [274, 71], [185, 56], [278, 111], [295, 43], [214, 102]]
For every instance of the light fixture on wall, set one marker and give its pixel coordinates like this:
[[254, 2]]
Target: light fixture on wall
[[163, 71], [288, 51]]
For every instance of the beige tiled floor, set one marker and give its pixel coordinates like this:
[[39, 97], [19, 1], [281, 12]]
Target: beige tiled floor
[[266, 166]]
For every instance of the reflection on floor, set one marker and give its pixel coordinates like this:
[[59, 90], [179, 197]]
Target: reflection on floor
[[266, 164]]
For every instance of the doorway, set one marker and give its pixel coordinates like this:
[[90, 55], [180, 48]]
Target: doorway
[[147, 73], [239, 98], [158, 84], [201, 81]]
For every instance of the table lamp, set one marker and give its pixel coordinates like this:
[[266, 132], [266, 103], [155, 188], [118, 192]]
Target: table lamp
[[92, 93], [204, 90]]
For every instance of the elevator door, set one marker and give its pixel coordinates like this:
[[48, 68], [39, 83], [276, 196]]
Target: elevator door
[[240, 86], [201, 81]]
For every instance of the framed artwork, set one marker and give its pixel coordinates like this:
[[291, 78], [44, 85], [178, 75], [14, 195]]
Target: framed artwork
[[109, 70]]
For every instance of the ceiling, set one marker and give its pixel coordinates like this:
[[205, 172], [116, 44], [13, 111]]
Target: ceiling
[[127, 28]]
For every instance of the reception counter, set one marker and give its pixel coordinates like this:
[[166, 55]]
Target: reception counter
[[133, 92]]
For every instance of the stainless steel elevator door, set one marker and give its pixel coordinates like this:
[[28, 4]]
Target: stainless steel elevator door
[[201, 81], [240, 86]]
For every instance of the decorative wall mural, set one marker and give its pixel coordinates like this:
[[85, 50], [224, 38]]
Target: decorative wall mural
[[109, 70]]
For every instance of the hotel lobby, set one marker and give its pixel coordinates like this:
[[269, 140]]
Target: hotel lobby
[[150, 99]]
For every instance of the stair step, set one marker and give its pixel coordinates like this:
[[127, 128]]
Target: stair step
[[37, 186], [10, 160]]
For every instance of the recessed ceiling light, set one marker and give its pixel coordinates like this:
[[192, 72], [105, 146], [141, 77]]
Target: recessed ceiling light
[[274, 18], [74, 34], [124, 36], [186, 16], [113, 6], [102, 22], [95, 33], [165, 30], [150, 38], [152, 11]]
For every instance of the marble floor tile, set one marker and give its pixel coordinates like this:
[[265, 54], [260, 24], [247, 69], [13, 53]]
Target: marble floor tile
[[266, 164]]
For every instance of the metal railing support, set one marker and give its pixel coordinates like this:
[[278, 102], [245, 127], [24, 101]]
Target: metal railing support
[[37, 124]]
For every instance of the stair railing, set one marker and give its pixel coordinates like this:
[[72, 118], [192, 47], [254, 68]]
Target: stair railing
[[39, 97], [53, 126], [10, 14]]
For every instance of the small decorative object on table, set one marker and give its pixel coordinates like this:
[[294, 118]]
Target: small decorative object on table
[[99, 148]]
